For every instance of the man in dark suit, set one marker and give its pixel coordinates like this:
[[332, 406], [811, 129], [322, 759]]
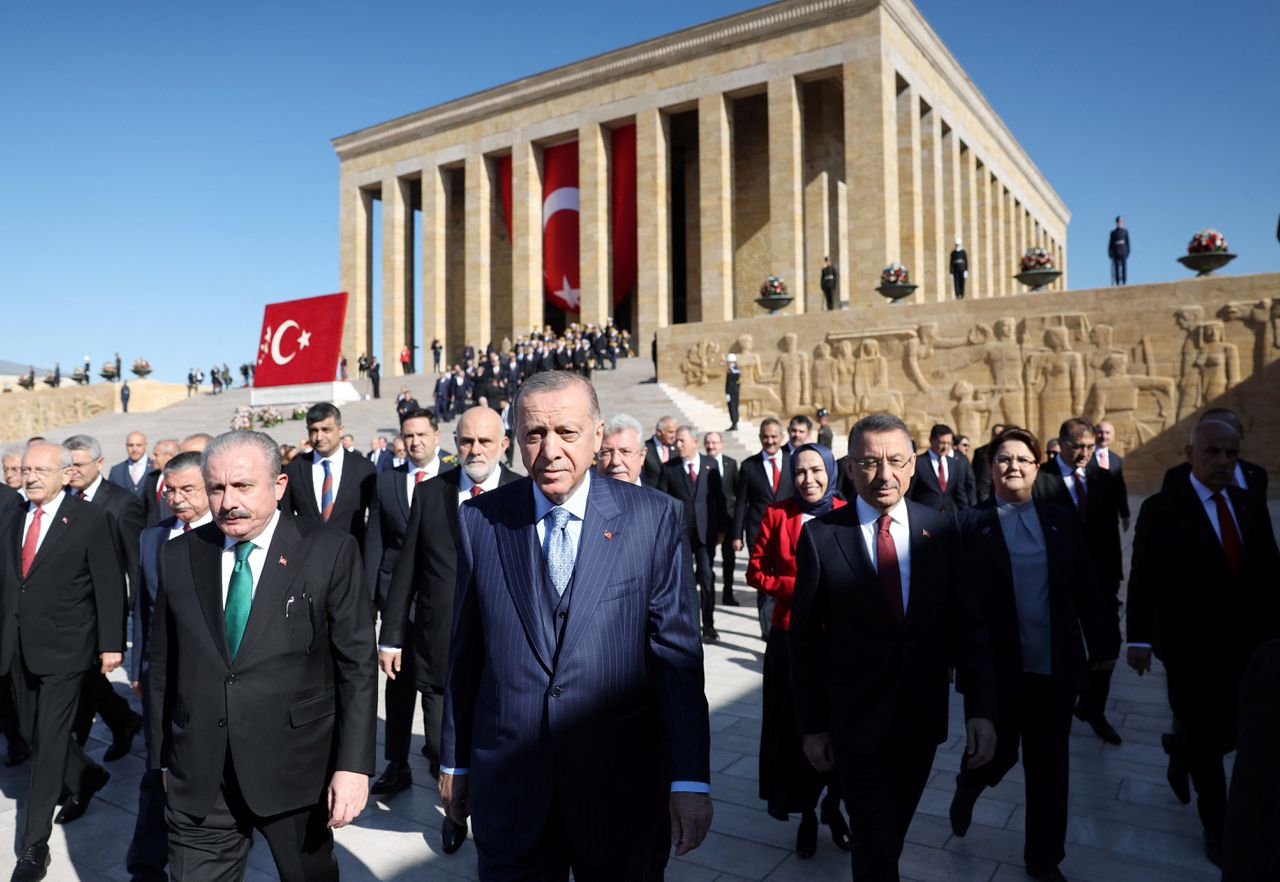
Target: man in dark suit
[[330, 486], [713, 442], [418, 607], [64, 603], [659, 450], [263, 677], [1202, 597], [1118, 251], [622, 454], [944, 481], [1253, 806], [124, 510], [388, 523], [982, 466], [1110, 461], [1249, 477], [574, 615], [128, 474], [185, 494], [694, 480], [881, 613], [762, 479], [155, 506], [1077, 483]]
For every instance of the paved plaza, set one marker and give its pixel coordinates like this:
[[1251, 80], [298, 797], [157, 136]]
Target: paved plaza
[[1125, 823]]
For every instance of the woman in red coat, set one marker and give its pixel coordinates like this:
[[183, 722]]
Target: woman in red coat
[[788, 783]]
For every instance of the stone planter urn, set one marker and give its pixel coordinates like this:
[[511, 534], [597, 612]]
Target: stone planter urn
[[774, 302], [896, 291], [1037, 279], [141, 373], [1205, 262]]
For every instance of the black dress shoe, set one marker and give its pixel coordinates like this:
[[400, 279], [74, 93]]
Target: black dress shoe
[[397, 777], [1178, 775], [729, 600], [710, 635], [122, 741], [18, 754], [1213, 847], [962, 807], [1100, 726], [32, 865], [78, 803], [452, 835], [807, 835], [835, 822], [1049, 874]]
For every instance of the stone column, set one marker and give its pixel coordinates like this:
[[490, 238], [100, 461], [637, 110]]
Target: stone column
[[593, 224], [933, 274], [355, 219], [715, 198], [653, 245], [841, 243], [526, 238], [397, 274], [1062, 265], [911, 188], [435, 216], [871, 168], [1000, 270], [977, 284], [817, 236], [786, 201], [986, 231], [476, 329]]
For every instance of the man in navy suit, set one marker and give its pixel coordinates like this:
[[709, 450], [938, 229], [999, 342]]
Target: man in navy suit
[[943, 481], [574, 707], [184, 495], [129, 473], [694, 480], [1106, 458]]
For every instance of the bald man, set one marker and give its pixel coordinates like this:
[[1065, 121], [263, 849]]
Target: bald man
[[130, 473], [155, 506]]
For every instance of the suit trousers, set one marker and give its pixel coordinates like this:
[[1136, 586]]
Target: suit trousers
[[1205, 713], [432, 724], [149, 850], [1118, 267], [46, 706], [706, 577], [9, 724], [215, 848], [98, 697], [1093, 702], [881, 792], [728, 560], [401, 699], [1040, 720]]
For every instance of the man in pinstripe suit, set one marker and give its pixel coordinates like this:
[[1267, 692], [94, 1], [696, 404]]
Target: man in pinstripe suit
[[574, 706]]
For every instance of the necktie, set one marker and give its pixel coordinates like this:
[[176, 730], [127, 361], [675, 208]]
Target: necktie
[[887, 569], [239, 598], [326, 492], [559, 549], [419, 476], [159, 489], [1232, 547], [663, 453], [693, 473], [777, 473], [186, 528], [942, 474], [476, 490], [1103, 460], [31, 541], [1082, 492]]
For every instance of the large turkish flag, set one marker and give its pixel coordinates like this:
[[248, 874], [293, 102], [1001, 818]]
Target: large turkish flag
[[301, 341]]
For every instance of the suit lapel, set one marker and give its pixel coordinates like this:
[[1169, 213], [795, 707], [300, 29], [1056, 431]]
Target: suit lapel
[[595, 560], [273, 582], [309, 485], [58, 526], [347, 485], [522, 562], [402, 497], [855, 550], [206, 574], [923, 580], [990, 531], [449, 499]]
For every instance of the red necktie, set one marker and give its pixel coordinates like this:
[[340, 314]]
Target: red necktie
[[887, 568], [159, 489], [777, 474], [33, 539], [942, 474], [693, 473], [476, 490], [186, 528], [1231, 544], [420, 476], [1082, 494]]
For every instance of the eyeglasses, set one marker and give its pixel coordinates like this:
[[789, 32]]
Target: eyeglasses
[[872, 464], [1079, 445], [1005, 460], [39, 471], [617, 453]]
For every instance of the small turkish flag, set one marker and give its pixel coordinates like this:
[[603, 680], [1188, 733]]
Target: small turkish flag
[[301, 341]]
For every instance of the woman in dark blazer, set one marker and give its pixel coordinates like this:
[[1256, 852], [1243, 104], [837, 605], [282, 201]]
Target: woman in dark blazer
[[788, 783], [1031, 570]]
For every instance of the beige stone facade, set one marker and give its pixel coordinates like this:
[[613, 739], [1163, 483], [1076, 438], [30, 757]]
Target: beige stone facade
[[765, 141], [1149, 358]]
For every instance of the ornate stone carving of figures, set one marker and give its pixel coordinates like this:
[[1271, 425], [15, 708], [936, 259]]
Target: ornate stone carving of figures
[[1003, 357], [1263, 320], [1055, 381], [1114, 397], [755, 395], [1189, 398], [792, 370], [972, 410], [701, 362], [826, 377], [846, 366], [920, 347], [1217, 361], [1101, 336], [871, 381]]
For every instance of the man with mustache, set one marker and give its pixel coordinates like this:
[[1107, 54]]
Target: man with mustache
[[413, 646]]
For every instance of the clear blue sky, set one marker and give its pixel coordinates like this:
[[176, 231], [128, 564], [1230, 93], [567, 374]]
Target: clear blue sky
[[169, 168]]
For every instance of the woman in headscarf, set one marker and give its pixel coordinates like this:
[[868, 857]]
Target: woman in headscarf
[[788, 783]]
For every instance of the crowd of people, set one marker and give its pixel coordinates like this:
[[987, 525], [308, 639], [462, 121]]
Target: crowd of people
[[550, 629]]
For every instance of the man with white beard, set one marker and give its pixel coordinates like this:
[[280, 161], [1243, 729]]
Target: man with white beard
[[425, 573]]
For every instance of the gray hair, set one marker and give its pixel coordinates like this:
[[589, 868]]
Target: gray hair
[[657, 427], [1216, 424], [64, 453], [689, 430], [877, 422], [85, 443], [243, 438], [555, 381], [205, 436], [621, 422], [16, 450], [188, 460]]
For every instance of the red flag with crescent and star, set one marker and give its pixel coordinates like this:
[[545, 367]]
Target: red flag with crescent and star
[[301, 341]]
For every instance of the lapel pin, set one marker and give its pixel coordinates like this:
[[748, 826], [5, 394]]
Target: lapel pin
[[608, 535], [283, 562], [65, 521], [925, 534]]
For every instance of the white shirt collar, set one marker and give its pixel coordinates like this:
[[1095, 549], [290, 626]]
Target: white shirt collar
[[92, 490], [262, 540], [490, 483], [576, 504], [1067, 469], [869, 515], [317, 457], [49, 507], [1203, 492], [431, 468], [198, 522]]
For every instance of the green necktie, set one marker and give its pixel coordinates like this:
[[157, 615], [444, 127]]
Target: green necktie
[[239, 598]]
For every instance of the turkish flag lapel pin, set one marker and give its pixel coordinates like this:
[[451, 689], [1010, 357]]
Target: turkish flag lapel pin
[[65, 521], [608, 534], [284, 562], [925, 534]]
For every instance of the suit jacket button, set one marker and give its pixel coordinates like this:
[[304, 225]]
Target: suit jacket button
[[555, 691], [222, 724], [231, 679]]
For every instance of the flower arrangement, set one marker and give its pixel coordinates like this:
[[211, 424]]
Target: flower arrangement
[[268, 416], [50, 379], [108, 371], [141, 367], [80, 376], [1036, 258], [27, 381], [774, 286], [1207, 240], [242, 419], [299, 412], [895, 274]]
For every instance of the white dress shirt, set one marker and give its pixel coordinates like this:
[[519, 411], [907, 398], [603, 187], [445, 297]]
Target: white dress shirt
[[411, 480], [1240, 482], [899, 531], [1211, 508], [465, 483], [317, 474], [50, 508], [1069, 476], [257, 557], [91, 491], [176, 531], [772, 463], [936, 461], [137, 468]]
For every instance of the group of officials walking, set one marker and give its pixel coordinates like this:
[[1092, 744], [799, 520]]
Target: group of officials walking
[[552, 629]]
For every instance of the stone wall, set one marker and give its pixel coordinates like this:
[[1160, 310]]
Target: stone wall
[[23, 413], [1149, 358]]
